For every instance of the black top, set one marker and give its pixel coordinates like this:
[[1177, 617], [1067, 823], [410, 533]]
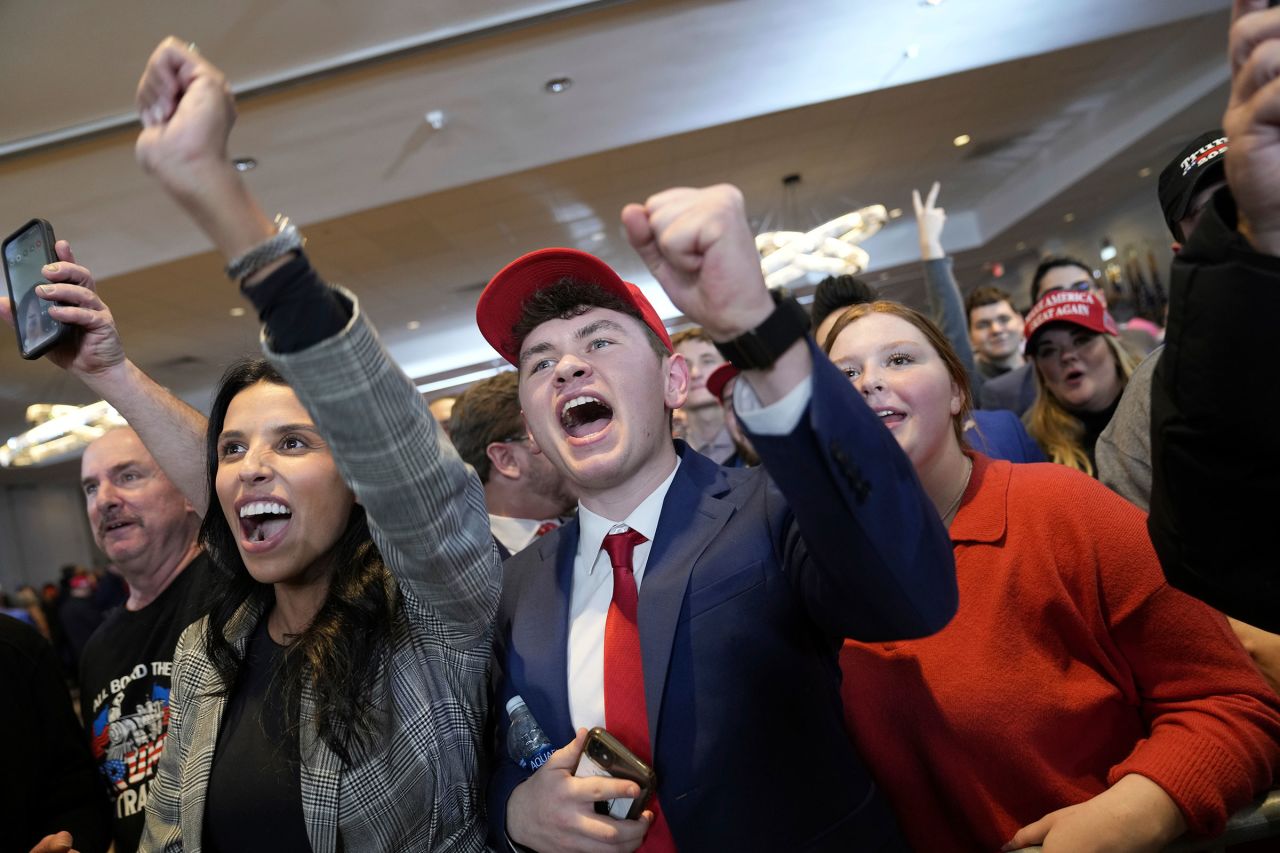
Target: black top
[[254, 800], [124, 692], [297, 308], [49, 782], [1094, 423]]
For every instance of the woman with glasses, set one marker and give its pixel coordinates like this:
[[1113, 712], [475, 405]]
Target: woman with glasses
[[1080, 366]]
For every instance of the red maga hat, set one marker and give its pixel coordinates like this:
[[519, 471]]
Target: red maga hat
[[502, 302], [1069, 306], [719, 378]]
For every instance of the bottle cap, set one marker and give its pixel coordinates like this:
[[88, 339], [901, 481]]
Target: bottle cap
[[513, 703]]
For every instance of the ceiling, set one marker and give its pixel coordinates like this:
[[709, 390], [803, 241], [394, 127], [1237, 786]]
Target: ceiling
[[1065, 103]]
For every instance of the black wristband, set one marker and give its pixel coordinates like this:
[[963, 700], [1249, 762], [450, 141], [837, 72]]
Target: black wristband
[[765, 344]]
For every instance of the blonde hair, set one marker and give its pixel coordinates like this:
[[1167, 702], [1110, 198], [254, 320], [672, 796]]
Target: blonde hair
[[1058, 432]]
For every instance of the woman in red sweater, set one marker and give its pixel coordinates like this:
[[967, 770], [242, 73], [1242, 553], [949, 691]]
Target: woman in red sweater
[[1075, 700]]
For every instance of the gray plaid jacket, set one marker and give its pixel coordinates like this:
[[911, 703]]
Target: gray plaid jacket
[[420, 788]]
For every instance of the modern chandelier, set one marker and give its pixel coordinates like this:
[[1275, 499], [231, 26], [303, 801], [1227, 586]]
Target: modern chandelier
[[795, 258]]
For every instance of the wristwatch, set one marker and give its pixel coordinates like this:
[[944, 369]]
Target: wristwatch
[[759, 348], [286, 239]]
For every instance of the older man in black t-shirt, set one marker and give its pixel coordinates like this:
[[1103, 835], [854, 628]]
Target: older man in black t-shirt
[[148, 529]]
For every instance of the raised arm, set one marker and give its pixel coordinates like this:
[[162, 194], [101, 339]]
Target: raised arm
[[945, 304], [172, 431], [425, 508], [876, 562]]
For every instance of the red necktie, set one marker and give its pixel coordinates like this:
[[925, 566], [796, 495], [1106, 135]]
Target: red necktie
[[546, 527], [625, 714]]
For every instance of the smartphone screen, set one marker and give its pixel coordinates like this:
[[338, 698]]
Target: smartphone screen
[[25, 254]]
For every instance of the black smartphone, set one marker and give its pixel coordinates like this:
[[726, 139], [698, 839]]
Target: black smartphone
[[26, 251], [604, 755]]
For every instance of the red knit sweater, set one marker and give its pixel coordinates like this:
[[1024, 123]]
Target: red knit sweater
[[1069, 664]]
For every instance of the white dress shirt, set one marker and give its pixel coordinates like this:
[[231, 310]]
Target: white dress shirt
[[516, 534], [592, 593]]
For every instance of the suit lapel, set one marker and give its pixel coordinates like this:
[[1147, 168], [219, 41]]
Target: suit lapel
[[544, 634], [691, 517]]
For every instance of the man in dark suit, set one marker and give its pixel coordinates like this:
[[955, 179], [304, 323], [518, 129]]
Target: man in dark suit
[[692, 610]]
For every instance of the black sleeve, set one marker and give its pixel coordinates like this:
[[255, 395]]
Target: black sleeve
[[1215, 461], [297, 308], [51, 783]]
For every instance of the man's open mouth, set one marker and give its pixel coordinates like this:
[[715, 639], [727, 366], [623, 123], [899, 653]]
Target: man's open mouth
[[114, 524], [261, 520], [585, 415]]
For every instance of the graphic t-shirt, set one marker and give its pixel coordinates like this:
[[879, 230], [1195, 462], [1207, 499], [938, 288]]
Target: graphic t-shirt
[[124, 692]]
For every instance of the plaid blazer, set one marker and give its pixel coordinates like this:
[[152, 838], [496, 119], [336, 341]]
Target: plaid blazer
[[420, 788]]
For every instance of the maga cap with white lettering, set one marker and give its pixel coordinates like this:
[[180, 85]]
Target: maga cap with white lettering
[[1069, 306], [1200, 164]]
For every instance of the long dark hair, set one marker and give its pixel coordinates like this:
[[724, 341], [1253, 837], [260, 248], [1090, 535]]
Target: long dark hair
[[340, 651]]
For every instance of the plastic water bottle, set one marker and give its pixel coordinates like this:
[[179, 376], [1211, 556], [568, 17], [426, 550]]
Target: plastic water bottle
[[527, 744]]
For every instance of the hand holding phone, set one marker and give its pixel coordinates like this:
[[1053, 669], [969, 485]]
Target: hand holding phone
[[26, 251], [554, 810], [605, 755]]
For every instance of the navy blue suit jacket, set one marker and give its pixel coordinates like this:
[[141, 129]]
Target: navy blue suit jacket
[[748, 591]]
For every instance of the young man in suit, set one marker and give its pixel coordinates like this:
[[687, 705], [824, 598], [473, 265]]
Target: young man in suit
[[695, 611]]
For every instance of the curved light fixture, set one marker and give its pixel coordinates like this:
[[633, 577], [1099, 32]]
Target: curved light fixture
[[790, 258], [59, 432]]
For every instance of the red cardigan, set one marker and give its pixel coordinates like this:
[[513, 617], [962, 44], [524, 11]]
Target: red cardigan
[[1069, 664]]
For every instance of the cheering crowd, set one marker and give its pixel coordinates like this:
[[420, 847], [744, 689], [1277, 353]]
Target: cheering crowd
[[893, 586]]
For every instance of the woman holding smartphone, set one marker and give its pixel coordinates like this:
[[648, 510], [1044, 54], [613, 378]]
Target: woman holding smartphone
[[1075, 700], [334, 697]]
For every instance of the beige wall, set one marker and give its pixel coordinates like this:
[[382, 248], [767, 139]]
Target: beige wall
[[42, 527]]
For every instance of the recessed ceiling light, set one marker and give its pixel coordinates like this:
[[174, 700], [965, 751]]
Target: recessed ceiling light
[[895, 213], [237, 311], [597, 237], [1144, 172], [1070, 217], [556, 85], [961, 140], [244, 164], [413, 325], [931, 2]]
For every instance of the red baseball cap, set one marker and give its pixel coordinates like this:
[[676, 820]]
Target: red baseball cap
[[1069, 306], [502, 302], [719, 378]]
